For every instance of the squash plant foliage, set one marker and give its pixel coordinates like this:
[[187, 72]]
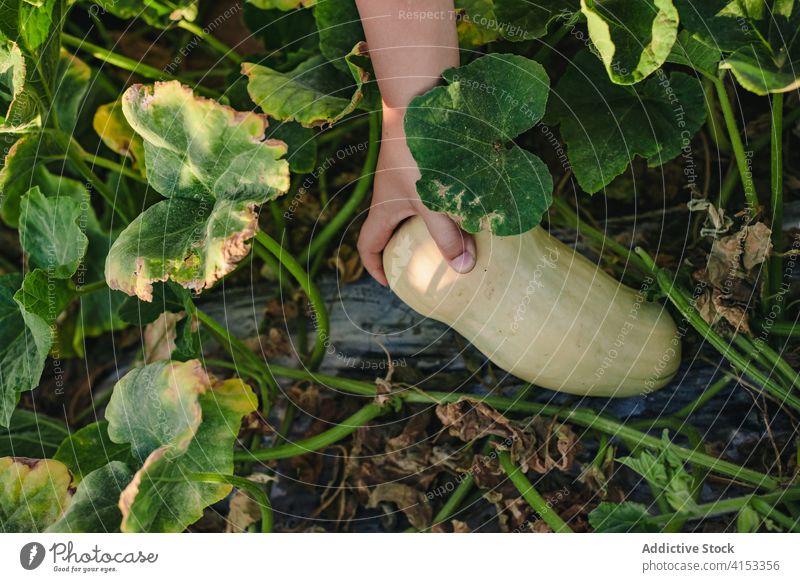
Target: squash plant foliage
[[134, 189]]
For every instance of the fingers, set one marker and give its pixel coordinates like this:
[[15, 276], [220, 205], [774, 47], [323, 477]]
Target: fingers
[[375, 234], [456, 246]]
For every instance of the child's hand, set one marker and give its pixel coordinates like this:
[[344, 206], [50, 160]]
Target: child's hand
[[408, 54], [395, 198]]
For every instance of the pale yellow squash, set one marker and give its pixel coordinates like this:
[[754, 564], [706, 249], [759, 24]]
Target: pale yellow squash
[[541, 311]]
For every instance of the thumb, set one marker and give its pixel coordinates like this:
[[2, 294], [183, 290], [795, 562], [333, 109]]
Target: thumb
[[456, 246]]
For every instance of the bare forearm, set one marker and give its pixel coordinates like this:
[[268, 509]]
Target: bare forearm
[[410, 43]]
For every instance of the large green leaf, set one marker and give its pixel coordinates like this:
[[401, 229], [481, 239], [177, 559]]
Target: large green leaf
[[339, 26], [289, 38], [90, 448], [163, 497], [44, 295], [633, 38], [627, 517], [159, 13], [71, 86], [519, 20], [22, 170], [461, 137], [606, 125], [17, 109], [302, 153], [31, 435], [25, 340], [761, 37], [34, 493], [314, 93], [157, 405], [215, 167], [690, 52], [50, 234], [95, 505]]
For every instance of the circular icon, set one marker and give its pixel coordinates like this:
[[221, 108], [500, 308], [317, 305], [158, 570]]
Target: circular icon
[[31, 555]]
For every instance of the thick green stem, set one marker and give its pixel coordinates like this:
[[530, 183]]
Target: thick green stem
[[252, 488], [325, 439], [113, 166], [767, 510], [129, 64], [580, 416], [725, 506], [75, 155], [741, 362], [219, 46], [529, 493], [359, 192], [320, 312], [739, 153], [776, 183]]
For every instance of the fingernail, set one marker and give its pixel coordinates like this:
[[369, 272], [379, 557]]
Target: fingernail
[[463, 263]]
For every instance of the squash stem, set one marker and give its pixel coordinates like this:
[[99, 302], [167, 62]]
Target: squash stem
[[529, 493], [220, 47], [776, 182], [360, 191], [745, 173], [256, 492], [320, 312]]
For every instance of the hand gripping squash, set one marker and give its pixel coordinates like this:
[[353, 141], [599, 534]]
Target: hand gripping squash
[[539, 310]]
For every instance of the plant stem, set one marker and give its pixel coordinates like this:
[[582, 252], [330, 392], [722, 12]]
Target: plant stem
[[714, 123], [325, 439], [717, 508], [534, 499], [113, 166], [783, 328], [129, 64], [767, 510], [359, 192], [704, 397], [322, 324], [580, 416], [741, 362], [75, 155], [738, 147], [776, 182], [219, 46], [90, 287], [341, 129], [252, 488]]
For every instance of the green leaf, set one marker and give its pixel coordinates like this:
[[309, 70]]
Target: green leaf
[[215, 167], [110, 124], [606, 125], [665, 472], [33, 494], [158, 13], [633, 38], [31, 435], [525, 20], [17, 108], [157, 405], [90, 448], [44, 295], [339, 26], [50, 235], [302, 155], [95, 505], [22, 170], [25, 340], [627, 517], [461, 137], [690, 52], [748, 520], [314, 93], [761, 37], [759, 71], [289, 38], [162, 496], [475, 23], [70, 89]]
